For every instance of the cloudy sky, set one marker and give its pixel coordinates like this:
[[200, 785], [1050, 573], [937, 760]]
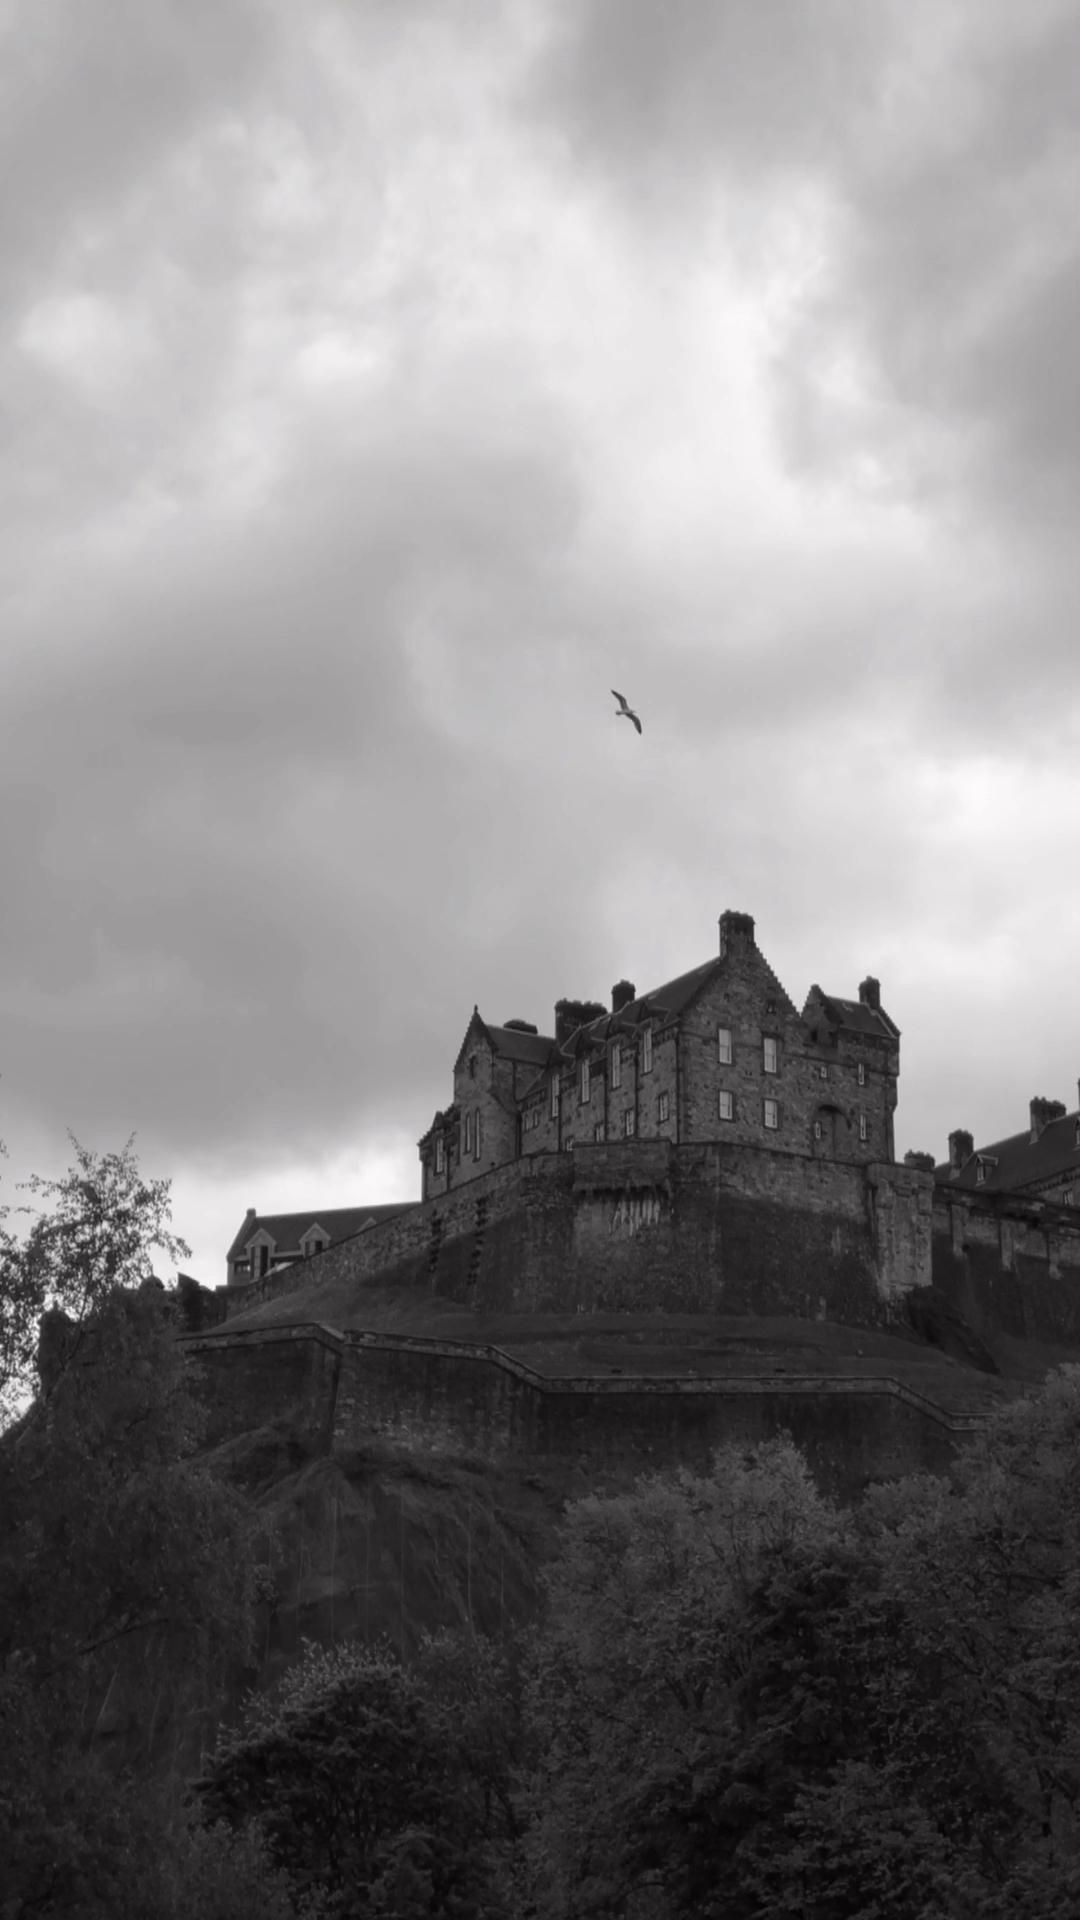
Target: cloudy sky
[[385, 380]]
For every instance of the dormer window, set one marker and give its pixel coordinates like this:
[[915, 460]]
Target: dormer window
[[724, 1046], [646, 1051], [616, 1065], [585, 1081], [980, 1173]]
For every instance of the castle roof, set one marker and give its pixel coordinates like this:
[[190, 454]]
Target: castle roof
[[1019, 1162], [286, 1230], [858, 1017], [532, 1049]]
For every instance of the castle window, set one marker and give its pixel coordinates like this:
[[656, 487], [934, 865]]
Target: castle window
[[724, 1050], [616, 1065], [860, 1074], [476, 1137], [772, 1114], [262, 1260], [817, 1129], [440, 1155], [468, 1132], [598, 1131], [646, 1051], [727, 1104], [823, 1071], [585, 1084], [1076, 1142], [555, 1096], [772, 1054], [662, 1108], [628, 1122], [472, 1066], [980, 1172], [864, 1127]]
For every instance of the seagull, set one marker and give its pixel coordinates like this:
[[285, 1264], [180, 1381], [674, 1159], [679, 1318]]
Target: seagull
[[625, 711]]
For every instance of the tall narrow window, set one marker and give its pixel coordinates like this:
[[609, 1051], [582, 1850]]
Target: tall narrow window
[[264, 1259], [598, 1131], [628, 1122], [468, 1131], [860, 1073], [555, 1096], [646, 1051], [476, 1137], [440, 1154], [616, 1065], [727, 1104], [584, 1080], [662, 1108], [724, 1049], [864, 1127], [980, 1172], [772, 1054], [772, 1114]]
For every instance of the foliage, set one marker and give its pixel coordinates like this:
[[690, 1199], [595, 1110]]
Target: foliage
[[95, 1233], [747, 1704], [357, 1782], [120, 1556]]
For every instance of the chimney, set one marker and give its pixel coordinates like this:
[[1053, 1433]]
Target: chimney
[[870, 993], [621, 995], [1042, 1112], [922, 1162], [961, 1148], [572, 1014], [250, 1213], [736, 933]]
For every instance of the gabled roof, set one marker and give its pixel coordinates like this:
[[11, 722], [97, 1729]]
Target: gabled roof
[[857, 1017], [531, 1049], [287, 1230], [1021, 1162]]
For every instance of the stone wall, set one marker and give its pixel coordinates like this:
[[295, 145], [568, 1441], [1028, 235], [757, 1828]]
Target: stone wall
[[640, 1225], [1010, 1267], [458, 1399]]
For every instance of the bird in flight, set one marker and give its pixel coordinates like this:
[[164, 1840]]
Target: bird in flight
[[625, 711]]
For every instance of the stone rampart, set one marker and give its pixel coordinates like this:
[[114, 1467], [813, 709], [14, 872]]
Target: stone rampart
[[644, 1225], [459, 1398], [1009, 1266]]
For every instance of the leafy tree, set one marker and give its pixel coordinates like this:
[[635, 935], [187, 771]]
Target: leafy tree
[[636, 1679], [96, 1232], [358, 1789], [122, 1558]]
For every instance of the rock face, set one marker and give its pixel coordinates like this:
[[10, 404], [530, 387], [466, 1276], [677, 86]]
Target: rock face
[[373, 1544]]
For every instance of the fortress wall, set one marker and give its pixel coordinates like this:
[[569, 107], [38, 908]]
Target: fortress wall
[[446, 1397], [641, 1225], [1009, 1267], [250, 1379]]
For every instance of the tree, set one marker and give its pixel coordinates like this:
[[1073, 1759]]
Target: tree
[[97, 1232], [358, 1789], [123, 1559], [637, 1675]]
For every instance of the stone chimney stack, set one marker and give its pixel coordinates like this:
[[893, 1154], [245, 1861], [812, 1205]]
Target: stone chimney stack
[[961, 1148], [1042, 1112], [621, 995], [870, 993], [736, 933]]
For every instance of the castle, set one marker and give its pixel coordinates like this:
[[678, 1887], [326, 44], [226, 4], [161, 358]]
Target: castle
[[698, 1157]]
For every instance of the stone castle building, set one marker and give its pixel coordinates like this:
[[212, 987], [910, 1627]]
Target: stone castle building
[[719, 1054]]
